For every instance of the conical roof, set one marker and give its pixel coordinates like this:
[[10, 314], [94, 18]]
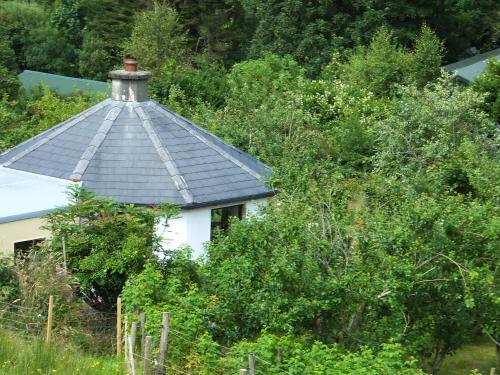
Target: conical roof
[[141, 152]]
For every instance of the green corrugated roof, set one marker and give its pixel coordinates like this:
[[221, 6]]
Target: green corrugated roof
[[61, 84]]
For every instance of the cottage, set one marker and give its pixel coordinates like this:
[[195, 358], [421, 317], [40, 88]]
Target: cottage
[[136, 151]]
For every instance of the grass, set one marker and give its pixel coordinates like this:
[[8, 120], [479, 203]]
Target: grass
[[480, 355], [19, 356]]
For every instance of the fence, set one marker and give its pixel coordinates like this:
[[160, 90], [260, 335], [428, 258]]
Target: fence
[[94, 330], [143, 358], [132, 343]]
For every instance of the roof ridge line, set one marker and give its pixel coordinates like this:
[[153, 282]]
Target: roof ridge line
[[56, 130], [209, 143], [473, 59], [96, 142], [165, 156]]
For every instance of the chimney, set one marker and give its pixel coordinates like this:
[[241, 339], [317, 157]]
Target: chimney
[[129, 85]]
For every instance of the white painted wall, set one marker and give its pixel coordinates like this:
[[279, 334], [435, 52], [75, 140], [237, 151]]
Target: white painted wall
[[192, 227]]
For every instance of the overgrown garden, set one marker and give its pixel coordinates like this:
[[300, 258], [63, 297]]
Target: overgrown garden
[[379, 254]]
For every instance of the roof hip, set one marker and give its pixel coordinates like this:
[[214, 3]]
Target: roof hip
[[53, 132], [96, 142], [165, 156], [205, 140]]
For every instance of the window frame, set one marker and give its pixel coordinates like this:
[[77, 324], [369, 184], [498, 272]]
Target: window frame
[[225, 217], [24, 252]]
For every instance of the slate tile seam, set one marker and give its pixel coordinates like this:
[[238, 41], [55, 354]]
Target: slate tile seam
[[192, 130], [52, 133], [96, 141], [165, 156]]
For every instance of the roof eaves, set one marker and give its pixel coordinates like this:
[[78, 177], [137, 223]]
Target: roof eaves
[[245, 198], [26, 215]]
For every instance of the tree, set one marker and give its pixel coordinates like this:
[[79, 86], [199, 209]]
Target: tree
[[488, 84], [94, 60], [306, 30], [17, 22], [8, 56], [106, 243], [50, 51], [156, 36], [378, 67], [427, 57], [429, 125], [9, 84], [219, 30], [384, 64], [66, 18], [312, 31]]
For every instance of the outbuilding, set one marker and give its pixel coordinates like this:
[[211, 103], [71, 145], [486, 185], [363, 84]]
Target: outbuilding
[[470, 68], [136, 151]]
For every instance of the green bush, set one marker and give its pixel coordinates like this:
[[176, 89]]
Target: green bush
[[106, 243], [488, 84], [9, 287], [304, 356]]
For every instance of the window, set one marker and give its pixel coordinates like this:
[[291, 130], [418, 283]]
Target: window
[[220, 217], [22, 248]]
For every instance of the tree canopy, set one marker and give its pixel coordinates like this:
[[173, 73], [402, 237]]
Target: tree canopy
[[382, 245]]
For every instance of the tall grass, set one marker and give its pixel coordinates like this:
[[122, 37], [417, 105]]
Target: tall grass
[[20, 356], [478, 355]]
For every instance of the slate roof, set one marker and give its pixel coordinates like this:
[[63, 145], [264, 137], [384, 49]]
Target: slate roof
[[468, 69], [61, 84], [142, 153]]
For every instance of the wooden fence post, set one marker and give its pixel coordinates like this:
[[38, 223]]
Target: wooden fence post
[[251, 364], [131, 359], [125, 343], [133, 334], [163, 343], [142, 322], [65, 260], [118, 326], [243, 371], [279, 355], [493, 371], [147, 355], [49, 319]]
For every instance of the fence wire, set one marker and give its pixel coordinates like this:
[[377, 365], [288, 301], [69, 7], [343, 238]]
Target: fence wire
[[99, 328]]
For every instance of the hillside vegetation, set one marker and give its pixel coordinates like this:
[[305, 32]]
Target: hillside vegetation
[[380, 253]]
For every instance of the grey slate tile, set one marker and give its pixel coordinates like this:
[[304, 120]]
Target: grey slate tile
[[141, 156]]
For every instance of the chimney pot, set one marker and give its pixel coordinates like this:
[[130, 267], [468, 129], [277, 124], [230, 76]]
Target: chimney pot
[[130, 84], [130, 65]]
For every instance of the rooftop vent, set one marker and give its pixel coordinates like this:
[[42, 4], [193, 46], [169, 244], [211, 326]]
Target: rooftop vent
[[130, 84]]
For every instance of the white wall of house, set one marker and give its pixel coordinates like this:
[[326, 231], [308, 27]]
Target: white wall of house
[[192, 227]]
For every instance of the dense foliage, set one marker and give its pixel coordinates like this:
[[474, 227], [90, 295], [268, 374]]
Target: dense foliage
[[379, 254], [88, 37], [488, 84], [105, 242]]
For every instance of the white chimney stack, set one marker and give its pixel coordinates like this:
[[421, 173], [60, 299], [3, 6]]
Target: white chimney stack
[[129, 85]]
